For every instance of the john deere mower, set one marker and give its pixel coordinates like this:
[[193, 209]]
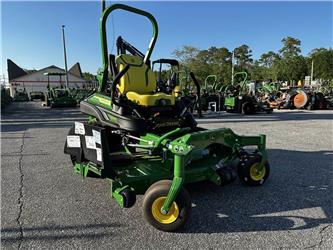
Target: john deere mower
[[180, 83], [37, 95], [21, 96], [5, 97], [238, 100], [209, 99], [145, 141], [58, 97], [189, 91], [167, 79]]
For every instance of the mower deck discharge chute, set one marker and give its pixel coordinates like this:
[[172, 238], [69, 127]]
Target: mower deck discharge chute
[[146, 141]]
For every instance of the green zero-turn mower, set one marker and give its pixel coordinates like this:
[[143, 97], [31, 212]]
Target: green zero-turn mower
[[147, 142], [238, 100], [37, 95], [21, 96], [212, 98], [167, 79], [58, 97]]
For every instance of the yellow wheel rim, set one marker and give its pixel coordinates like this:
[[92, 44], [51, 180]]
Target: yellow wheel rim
[[255, 174], [168, 218]]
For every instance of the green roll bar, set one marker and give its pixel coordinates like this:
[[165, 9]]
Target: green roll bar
[[48, 74], [106, 12], [214, 77], [245, 77], [242, 84]]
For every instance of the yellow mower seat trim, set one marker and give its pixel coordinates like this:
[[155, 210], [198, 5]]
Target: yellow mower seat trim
[[139, 83], [158, 99], [139, 77]]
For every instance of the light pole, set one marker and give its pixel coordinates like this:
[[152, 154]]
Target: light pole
[[311, 78], [232, 68], [65, 56]]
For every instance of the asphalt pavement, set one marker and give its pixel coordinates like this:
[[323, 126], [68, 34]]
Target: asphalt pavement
[[44, 205]]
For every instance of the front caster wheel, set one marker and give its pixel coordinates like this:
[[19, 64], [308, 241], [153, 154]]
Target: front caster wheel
[[178, 214], [248, 170]]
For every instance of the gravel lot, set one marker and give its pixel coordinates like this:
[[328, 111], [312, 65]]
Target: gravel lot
[[45, 205]]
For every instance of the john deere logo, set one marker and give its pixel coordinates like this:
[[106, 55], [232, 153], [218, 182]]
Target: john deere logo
[[212, 138]]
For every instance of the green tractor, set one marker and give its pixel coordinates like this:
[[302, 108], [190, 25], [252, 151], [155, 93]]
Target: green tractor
[[179, 83], [21, 96], [80, 94], [238, 100], [189, 91], [212, 98], [6, 99], [145, 141], [167, 79], [37, 95], [58, 97]]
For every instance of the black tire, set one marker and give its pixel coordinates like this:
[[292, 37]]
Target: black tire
[[182, 204], [227, 175], [247, 108], [161, 182], [129, 197], [245, 171], [310, 107], [233, 174]]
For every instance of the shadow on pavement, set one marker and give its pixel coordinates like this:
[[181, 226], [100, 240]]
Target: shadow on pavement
[[296, 196]]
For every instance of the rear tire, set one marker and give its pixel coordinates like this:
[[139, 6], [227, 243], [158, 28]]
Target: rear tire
[[247, 108]]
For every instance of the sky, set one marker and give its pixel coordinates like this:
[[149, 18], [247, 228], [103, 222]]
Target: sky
[[31, 31]]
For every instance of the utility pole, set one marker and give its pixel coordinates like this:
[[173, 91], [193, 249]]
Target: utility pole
[[232, 68], [311, 78], [65, 56]]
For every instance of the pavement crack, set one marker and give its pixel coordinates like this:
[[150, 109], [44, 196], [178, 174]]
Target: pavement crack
[[321, 241], [321, 235], [21, 195]]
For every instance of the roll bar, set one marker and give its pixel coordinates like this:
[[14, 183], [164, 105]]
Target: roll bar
[[242, 73], [172, 62], [214, 77], [106, 12]]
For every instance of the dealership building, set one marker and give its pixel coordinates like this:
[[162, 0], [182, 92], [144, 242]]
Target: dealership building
[[37, 80]]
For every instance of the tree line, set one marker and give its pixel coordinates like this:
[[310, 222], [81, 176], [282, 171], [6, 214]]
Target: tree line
[[287, 64]]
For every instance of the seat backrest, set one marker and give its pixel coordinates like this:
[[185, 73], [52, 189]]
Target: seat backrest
[[139, 78]]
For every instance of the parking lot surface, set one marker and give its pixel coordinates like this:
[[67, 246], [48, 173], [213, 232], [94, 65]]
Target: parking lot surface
[[45, 205]]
